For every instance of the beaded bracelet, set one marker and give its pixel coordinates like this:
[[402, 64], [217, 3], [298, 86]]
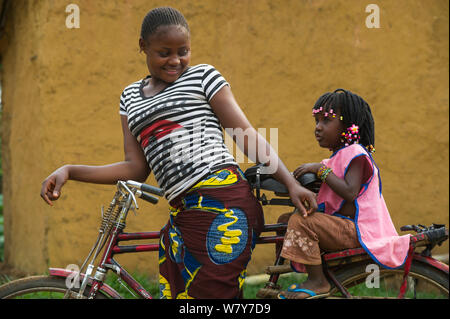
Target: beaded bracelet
[[323, 172]]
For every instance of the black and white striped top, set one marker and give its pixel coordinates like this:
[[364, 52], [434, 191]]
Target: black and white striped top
[[181, 137]]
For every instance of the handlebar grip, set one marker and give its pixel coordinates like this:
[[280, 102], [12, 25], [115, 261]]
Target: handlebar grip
[[307, 179], [149, 198], [152, 189]]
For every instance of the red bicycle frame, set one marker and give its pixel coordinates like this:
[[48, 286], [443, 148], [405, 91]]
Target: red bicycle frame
[[113, 248], [108, 262], [113, 223]]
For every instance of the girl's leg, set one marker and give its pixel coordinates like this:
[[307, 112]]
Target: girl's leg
[[284, 218], [307, 237]]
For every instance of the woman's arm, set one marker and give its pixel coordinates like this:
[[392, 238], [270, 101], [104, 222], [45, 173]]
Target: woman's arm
[[133, 167], [231, 116]]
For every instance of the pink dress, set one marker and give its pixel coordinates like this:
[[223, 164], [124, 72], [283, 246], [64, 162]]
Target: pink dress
[[376, 232]]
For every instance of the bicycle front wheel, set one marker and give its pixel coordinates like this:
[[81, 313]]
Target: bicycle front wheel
[[41, 287], [368, 280]]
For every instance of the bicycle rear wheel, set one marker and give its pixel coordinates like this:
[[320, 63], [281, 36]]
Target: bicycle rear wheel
[[41, 287], [368, 280]]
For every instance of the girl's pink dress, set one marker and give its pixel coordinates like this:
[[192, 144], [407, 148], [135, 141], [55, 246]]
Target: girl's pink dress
[[376, 232]]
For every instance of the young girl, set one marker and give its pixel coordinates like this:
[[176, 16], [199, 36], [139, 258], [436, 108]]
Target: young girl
[[172, 124], [354, 213]]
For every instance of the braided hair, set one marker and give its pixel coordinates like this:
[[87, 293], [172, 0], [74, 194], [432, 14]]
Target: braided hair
[[354, 111], [161, 16]]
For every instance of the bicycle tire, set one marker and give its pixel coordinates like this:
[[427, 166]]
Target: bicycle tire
[[48, 285], [434, 282]]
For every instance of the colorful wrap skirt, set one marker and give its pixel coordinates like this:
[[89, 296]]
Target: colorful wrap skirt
[[208, 241]]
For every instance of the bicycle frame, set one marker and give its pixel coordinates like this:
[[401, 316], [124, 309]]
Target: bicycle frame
[[331, 260], [109, 262], [113, 248], [115, 236]]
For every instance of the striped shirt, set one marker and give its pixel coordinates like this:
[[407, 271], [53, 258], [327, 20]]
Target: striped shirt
[[181, 137]]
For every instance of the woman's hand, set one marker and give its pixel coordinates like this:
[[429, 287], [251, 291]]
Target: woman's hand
[[304, 200], [307, 168], [133, 167], [51, 186]]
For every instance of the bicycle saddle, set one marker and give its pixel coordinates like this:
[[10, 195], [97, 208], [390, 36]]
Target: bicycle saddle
[[258, 179]]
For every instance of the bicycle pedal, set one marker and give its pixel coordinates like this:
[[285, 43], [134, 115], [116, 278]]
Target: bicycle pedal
[[281, 269], [267, 293]]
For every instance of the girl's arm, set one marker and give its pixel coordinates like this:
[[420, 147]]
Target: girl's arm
[[231, 116], [349, 187], [133, 167]]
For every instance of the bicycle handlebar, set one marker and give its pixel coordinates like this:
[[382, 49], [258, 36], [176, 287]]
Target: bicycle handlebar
[[152, 189], [146, 188], [143, 190], [147, 197]]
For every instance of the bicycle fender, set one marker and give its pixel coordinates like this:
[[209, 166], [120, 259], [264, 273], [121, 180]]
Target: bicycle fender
[[64, 273], [432, 262]]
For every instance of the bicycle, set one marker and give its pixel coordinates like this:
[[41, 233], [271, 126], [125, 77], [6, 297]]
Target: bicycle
[[346, 270]]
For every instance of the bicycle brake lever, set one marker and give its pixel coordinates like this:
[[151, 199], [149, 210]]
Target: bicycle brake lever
[[133, 209], [131, 193], [409, 228]]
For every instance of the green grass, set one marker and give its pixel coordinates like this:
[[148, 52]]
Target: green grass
[[149, 284], [2, 234], [383, 291], [250, 288]]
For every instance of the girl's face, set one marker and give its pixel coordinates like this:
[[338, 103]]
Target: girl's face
[[328, 130], [168, 52]]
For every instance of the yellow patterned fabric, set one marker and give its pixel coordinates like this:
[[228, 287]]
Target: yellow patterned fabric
[[207, 243]]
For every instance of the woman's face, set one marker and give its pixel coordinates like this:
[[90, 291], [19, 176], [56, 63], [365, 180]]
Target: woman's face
[[168, 52], [328, 130]]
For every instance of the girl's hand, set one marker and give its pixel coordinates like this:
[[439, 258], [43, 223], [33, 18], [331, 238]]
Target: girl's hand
[[307, 168], [304, 200], [51, 186]]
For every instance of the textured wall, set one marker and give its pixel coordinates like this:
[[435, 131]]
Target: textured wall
[[61, 91]]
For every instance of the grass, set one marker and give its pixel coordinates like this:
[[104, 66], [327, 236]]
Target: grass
[[149, 284], [2, 234], [251, 288]]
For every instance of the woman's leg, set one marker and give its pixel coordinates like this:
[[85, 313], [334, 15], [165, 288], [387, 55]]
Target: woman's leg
[[214, 234]]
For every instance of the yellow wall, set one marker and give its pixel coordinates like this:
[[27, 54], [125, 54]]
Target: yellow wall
[[61, 91]]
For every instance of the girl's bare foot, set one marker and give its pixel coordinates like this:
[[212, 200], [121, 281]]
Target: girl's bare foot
[[321, 289]]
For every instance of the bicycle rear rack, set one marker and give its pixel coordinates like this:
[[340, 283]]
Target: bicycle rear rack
[[426, 236]]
